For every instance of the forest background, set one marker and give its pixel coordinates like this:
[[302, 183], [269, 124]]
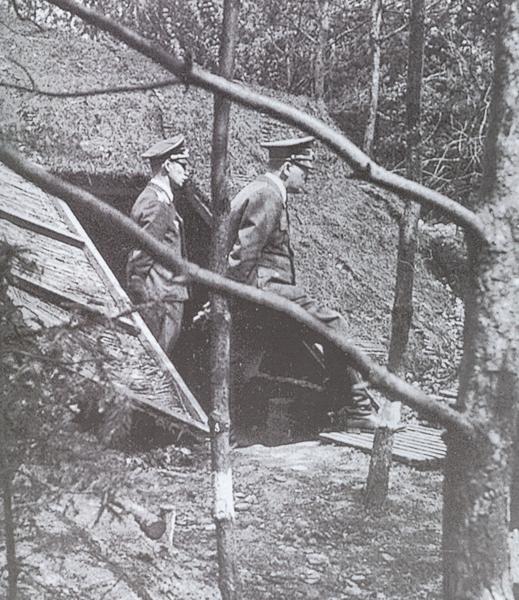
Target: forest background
[[322, 49]]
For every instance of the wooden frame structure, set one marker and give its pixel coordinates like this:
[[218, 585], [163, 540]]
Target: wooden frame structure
[[71, 276]]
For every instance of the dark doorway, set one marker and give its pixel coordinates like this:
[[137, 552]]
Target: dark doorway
[[287, 401]]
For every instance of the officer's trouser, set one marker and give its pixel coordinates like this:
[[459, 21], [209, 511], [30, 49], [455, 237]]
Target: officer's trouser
[[340, 376], [164, 320]]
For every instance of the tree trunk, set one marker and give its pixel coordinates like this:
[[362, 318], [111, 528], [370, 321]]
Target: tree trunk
[[374, 36], [377, 485], [220, 321], [403, 302], [10, 543], [380, 464], [477, 476], [514, 517], [322, 7], [7, 498]]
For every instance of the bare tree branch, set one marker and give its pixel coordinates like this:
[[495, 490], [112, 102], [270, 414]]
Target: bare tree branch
[[340, 36], [16, 9], [396, 31], [379, 376], [25, 70], [94, 91], [339, 143]]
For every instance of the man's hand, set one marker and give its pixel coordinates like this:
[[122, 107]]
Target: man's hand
[[137, 290]]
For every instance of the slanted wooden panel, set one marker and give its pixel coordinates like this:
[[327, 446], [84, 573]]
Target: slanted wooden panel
[[69, 269], [47, 229], [58, 265], [21, 197], [417, 445]]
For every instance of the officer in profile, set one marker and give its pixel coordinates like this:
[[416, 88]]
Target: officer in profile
[[149, 283], [260, 255]]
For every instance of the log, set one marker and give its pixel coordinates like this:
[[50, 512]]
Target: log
[[150, 524]]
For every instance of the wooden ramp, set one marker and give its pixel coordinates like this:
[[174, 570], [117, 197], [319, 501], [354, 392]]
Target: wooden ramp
[[416, 445]]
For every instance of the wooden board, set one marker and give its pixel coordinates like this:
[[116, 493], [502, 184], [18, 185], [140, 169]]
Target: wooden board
[[417, 445]]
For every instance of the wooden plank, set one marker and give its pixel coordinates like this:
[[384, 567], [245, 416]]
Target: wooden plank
[[95, 258], [54, 295], [147, 385], [365, 442], [404, 446], [57, 265], [424, 429], [47, 230], [27, 199], [420, 448], [440, 447], [36, 312], [426, 441], [433, 438], [417, 448], [433, 435], [404, 439]]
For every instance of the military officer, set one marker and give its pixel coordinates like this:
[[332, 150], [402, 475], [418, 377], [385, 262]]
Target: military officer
[[260, 255], [148, 281]]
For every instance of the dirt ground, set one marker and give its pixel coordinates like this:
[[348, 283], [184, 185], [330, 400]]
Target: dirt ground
[[301, 530]]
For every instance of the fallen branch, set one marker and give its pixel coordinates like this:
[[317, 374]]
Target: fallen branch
[[94, 91], [380, 377], [338, 142], [150, 524]]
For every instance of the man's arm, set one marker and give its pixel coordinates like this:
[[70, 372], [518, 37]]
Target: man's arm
[[152, 217], [259, 219]]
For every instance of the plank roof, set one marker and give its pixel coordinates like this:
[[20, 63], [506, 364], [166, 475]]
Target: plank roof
[[71, 275]]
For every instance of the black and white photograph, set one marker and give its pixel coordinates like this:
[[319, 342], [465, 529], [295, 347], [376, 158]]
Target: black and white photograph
[[259, 290]]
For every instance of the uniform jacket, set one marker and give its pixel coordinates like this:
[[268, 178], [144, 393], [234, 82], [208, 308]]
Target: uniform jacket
[[148, 279], [259, 236]]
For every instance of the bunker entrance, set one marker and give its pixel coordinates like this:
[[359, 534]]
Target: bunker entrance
[[284, 401]]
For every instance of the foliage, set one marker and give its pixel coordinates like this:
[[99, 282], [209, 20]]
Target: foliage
[[277, 47], [23, 391], [42, 375], [457, 80]]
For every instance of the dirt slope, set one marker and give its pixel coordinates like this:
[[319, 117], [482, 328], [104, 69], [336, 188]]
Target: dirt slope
[[344, 236], [301, 530]]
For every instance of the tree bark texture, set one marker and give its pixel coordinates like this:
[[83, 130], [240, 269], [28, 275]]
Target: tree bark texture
[[7, 501], [323, 16], [403, 301], [220, 320], [377, 485], [10, 541], [374, 38], [477, 474], [379, 468]]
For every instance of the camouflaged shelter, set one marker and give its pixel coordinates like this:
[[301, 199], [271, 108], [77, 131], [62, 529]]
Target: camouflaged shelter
[[71, 277]]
